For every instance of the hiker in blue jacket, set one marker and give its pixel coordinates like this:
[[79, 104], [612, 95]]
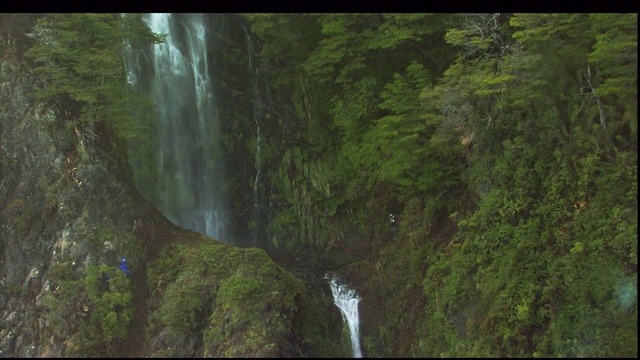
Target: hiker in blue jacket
[[123, 267]]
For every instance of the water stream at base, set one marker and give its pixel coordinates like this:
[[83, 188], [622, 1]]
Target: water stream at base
[[347, 301]]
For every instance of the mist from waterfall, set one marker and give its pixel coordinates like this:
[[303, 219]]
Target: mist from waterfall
[[190, 183]]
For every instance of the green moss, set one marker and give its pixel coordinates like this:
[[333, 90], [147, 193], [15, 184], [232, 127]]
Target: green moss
[[8, 165], [318, 328], [20, 216], [237, 300]]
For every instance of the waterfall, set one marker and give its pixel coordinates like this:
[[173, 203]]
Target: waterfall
[[190, 181], [258, 110], [347, 301]]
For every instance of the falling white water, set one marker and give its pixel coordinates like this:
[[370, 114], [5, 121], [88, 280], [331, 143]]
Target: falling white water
[[190, 163], [347, 301]]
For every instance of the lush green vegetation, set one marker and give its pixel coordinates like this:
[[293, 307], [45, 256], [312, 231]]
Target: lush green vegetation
[[507, 145], [236, 301], [80, 64], [91, 313]]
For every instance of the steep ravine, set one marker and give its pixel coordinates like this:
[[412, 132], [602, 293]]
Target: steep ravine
[[68, 206]]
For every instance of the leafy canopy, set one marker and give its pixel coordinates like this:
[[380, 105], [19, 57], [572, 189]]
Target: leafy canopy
[[80, 63]]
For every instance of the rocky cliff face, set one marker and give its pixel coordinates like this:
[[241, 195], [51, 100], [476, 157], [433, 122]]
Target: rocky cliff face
[[69, 212]]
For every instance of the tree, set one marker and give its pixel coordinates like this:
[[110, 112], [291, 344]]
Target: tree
[[547, 250], [80, 63]]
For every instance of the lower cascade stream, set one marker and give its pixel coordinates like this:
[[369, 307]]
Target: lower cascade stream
[[347, 301]]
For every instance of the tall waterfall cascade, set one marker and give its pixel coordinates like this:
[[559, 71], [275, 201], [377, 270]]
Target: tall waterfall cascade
[[258, 113], [190, 181], [347, 301]]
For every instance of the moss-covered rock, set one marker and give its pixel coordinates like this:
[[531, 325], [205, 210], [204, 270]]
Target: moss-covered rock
[[69, 211], [233, 302]]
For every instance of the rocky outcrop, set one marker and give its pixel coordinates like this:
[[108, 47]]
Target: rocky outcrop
[[69, 212]]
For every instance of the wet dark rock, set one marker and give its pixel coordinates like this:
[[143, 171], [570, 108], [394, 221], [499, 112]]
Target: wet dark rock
[[67, 200]]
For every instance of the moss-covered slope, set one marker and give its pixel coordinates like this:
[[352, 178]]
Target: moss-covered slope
[[69, 212]]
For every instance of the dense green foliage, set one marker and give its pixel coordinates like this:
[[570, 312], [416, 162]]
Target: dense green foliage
[[80, 63], [349, 88], [91, 314], [507, 145]]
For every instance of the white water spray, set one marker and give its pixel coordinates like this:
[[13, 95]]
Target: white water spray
[[347, 301]]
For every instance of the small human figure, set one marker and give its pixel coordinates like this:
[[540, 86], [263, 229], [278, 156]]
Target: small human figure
[[123, 267], [392, 220], [104, 284]]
